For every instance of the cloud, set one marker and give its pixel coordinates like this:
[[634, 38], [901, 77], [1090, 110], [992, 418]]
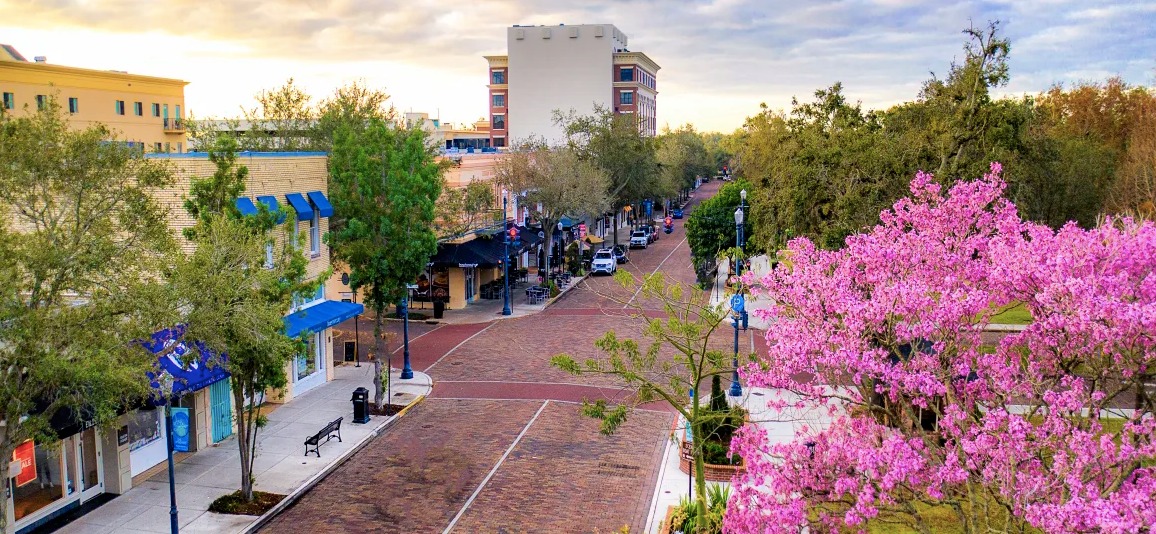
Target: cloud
[[719, 58]]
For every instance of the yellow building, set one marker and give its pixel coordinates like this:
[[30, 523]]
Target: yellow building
[[144, 110]]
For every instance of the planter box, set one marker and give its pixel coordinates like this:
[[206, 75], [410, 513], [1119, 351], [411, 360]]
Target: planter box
[[664, 526], [711, 472]]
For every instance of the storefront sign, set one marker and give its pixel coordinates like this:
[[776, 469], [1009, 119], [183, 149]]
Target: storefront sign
[[122, 436], [582, 231], [25, 453], [180, 429]]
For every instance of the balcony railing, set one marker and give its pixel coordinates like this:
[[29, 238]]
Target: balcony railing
[[174, 125]]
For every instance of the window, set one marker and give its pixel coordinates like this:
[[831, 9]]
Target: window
[[626, 74], [120, 107], [498, 76], [168, 147], [73, 105], [269, 255], [293, 237], [180, 148], [138, 109], [156, 110], [166, 107], [499, 101], [9, 101], [315, 234], [626, 98], [157, 147], [41, 102], [311, 361], [499, 142], [499, 122]]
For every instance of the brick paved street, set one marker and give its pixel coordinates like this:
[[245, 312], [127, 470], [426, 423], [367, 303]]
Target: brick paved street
[[501, 444]]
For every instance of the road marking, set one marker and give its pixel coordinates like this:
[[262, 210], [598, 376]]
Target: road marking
[[635, 295], [495, 469], [415, 338], [457, 346]]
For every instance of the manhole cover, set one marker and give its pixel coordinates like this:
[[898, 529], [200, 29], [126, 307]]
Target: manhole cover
[[427, 426], [756, 393], [456, 363]]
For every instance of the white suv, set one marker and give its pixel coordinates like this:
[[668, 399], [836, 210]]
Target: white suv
[[603, 262], [639, 239]]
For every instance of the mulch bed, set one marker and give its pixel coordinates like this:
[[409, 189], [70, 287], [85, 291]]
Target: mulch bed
[[234, 503], [388, 409]]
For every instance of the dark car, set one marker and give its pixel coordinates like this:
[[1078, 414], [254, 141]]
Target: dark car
[[621, 254], [676, 213]]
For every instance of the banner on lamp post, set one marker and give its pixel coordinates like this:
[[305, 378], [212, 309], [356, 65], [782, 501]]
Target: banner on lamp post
[[180, 429]]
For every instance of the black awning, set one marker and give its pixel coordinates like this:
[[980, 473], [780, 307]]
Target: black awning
[[477, 252]]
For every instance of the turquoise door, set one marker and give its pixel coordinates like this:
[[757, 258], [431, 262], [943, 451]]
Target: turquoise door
[[221, 410]]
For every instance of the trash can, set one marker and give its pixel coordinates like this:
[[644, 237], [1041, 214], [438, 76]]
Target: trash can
[[360, 405], [439, 309]]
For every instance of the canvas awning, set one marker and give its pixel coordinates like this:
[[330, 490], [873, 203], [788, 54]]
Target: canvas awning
[[318, 199], [300, 205], [246, 206], [320, 316], [175, 363]]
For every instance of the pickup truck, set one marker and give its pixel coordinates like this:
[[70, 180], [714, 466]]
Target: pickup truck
[[639, 239]]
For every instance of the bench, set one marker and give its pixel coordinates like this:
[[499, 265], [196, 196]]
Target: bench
[[334, 427]]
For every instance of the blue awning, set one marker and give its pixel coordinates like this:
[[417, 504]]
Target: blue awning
[[186, 376], [321, 316], [322, 203], [274, 206], [300, 205], [246, 206]]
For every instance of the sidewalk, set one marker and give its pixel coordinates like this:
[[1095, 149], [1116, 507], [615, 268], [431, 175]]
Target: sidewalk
[[280, 467]]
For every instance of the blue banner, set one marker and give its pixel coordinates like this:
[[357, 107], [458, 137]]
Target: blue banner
[[181, 429]]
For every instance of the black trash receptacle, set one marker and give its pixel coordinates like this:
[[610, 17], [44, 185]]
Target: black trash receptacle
[[360, 405], [439, 309]]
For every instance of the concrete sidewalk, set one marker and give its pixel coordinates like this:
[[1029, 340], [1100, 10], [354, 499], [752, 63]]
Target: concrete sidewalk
[[280, 466]]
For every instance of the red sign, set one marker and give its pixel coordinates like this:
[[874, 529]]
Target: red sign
[[582, 231], [25, 453]]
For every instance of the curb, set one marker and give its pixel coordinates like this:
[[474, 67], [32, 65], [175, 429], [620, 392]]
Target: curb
[[315, 479]]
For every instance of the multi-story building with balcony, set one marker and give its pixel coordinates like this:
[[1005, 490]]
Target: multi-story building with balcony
[[146, 111], [564, 68]]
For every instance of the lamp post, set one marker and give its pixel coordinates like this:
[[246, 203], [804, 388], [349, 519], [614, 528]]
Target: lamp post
[[174, 524], [743, 237], [506, 261], [737, 305], [561, 249], [406, 370]]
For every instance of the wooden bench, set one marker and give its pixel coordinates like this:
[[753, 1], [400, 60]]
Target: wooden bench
[[334, 427]]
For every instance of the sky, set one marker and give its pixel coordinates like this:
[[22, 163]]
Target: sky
[[720, 58]]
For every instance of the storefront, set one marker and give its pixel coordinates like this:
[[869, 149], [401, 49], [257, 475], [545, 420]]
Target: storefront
[[466, 270], [313, 366], [47, 482]]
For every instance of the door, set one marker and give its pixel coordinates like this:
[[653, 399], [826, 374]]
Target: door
[[221, 409], [469, 284], [91, 468]]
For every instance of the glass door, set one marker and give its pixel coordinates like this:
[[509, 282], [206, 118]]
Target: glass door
[[91, 468], [469, 284]]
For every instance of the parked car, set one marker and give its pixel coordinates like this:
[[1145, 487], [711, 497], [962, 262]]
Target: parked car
[[639, 239], [603, 262], [651, 234], [676, 213], [620, 254]]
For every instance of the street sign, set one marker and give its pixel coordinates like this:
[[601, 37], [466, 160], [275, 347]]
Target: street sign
[[737, 303]]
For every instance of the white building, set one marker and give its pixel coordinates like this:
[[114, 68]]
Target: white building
[[566, 68]]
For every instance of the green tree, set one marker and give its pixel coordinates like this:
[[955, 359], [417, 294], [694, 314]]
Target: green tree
[[710, 227], [356, 106], [682, 157], [556, 182], [283, 120], [615, 143], [461, 209], [644, 370], [84, 243], [233, 299], [385, 183]]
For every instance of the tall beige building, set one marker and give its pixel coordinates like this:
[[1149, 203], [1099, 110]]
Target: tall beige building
[[144, 110], [564, 68]]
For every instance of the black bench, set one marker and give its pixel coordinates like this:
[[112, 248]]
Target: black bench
[[327, 433]]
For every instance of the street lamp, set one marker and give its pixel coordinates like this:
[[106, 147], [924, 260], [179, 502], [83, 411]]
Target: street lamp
[[743, 238], [738, 308], [506, 261], [406, 370], [561, 249]]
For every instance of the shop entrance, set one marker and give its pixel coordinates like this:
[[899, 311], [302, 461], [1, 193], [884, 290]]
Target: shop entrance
[[471, 275], [90, 467], [221, 409]]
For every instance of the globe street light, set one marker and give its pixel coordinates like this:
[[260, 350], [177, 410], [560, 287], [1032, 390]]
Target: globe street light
[[738, 307], [506, 261], [743, 238], [406, 370]]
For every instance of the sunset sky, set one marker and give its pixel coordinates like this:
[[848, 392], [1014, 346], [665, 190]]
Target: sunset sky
[[719, 59]]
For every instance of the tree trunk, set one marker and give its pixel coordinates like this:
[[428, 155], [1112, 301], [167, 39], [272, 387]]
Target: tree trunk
[[379, 353], [6, 449], [244, 438], [699, 467]]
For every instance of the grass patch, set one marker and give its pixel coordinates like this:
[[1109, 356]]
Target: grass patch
[[1017, 314], [235, 504]]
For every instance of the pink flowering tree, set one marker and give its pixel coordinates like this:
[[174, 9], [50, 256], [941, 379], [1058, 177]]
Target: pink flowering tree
[[934, 420]]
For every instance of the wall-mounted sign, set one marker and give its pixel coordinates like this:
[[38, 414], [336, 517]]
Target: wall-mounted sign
[[122, 436]]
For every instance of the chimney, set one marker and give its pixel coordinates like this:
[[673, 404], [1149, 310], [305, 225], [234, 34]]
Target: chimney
[[41, 59]]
